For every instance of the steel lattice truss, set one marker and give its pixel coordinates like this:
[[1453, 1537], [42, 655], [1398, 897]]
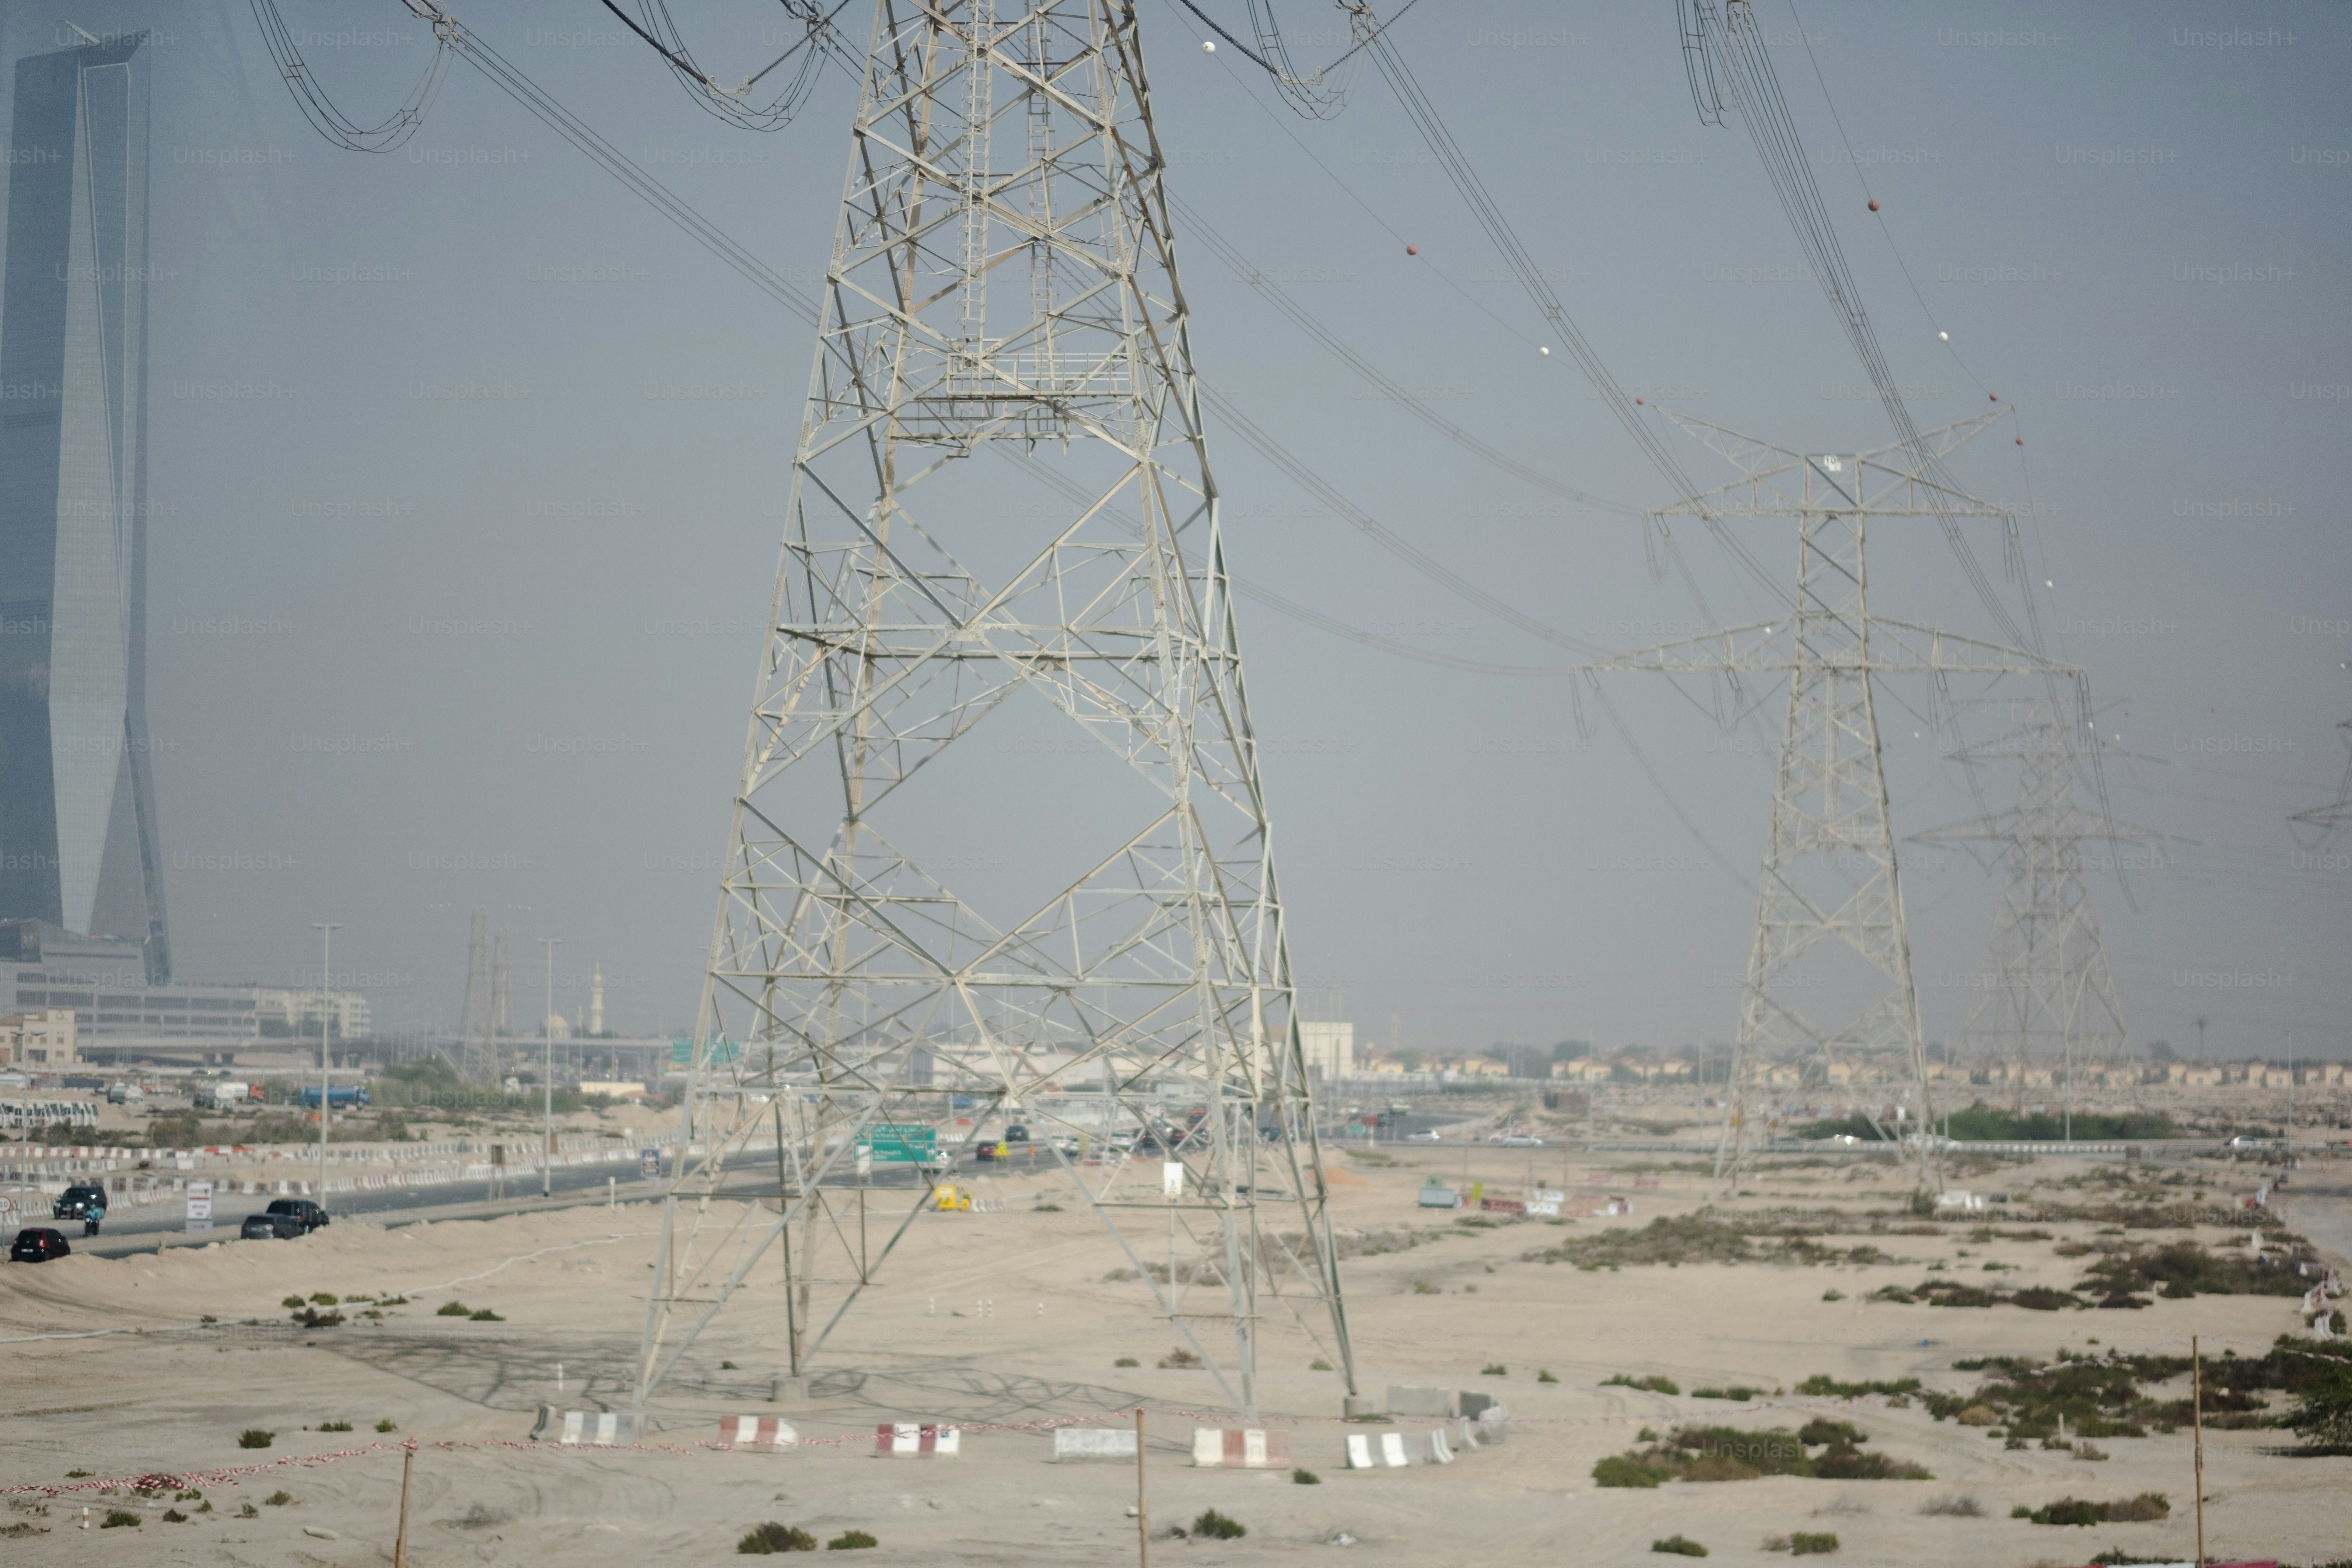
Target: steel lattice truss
[[2328, 818], [1829, 887], [1003, 284], [2047, 990]]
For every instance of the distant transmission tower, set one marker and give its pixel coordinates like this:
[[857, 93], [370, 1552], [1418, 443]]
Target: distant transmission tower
[[1829, 912], [2047, 991], [1002, 514], [473, 1025], [2336, 812]]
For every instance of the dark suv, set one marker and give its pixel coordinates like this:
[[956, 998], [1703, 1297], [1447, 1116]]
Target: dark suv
[[38, 1245], [309, 1215], [270, 1227]]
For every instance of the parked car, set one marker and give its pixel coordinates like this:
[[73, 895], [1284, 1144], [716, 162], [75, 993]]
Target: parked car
[[1016, 1133], [309, 1215], [38, 1244], [1429, 1137], [1520, 1141], [270, 1227]]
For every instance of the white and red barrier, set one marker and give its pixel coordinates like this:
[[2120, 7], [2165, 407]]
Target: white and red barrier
[[1093, 1443], [898, 1440], [756, 1432], [586, 1428], [1239, 1448]]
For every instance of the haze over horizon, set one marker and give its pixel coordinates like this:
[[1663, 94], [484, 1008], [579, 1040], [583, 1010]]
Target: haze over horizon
[[466, 474]]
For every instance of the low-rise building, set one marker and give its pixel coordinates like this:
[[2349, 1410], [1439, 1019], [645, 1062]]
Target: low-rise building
[[44, 1041]]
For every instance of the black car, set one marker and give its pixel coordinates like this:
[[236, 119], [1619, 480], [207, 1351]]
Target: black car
[[310, 1216], [79, 1202], [270, 1227], [38, 1245]]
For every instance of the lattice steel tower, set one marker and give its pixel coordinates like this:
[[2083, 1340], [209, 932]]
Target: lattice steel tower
[[2047, 989], [1829, 912], [1002, 518]]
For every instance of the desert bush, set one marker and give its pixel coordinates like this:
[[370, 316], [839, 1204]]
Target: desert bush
[[1215, 1526], [851, 1540], [2137, 1510], [279, 1498], [255, 1438], [1543, 1376], [1619, 1470], [1648, 1384], [1813, 1544], [454, 1310], [485, 1315], [1821, 1430], [1178, 1358], [1679, 1546], [174, 1516], [386, 1425], [115, 1518], [1739, 1391], [1127, 1360], [762, 1539], [1493, 1369], [1821, 1385], [1306, 1479]]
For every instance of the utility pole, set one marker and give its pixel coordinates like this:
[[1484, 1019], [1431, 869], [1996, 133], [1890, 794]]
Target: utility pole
[[326, 929], [547, 1073]]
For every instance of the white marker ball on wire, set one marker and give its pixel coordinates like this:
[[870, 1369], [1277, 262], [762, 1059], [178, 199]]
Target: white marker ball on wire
[[1943, 337], [1545, 352], [1208, 46]]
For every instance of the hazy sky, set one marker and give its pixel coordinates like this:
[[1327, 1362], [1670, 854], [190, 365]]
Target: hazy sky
[[468, 471]]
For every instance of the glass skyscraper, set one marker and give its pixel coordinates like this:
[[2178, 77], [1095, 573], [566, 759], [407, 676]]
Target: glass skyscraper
[[78, 840]]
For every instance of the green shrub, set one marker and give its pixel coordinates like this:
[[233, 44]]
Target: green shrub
[[1178, 1358], [117, 1517], [1306, 1479], [1215, 1526], [334, 1425], [1319, 1365], [386, 1425], [1679, 1546], [1542, 1376], [851, 1540], [454, 1310], [1739, 1391], [2067, 1511], [487, 1316], [293, 1303], [1821, 1430], [279, 1498], [255, 1438], [1127, 1360], [1620, 1471], [323, 1298], [1801, 1544], [761, 1539], [174, 1516], [1647, 1385]]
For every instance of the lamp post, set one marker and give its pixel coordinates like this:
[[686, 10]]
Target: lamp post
[[547, 1075], [326, 929]]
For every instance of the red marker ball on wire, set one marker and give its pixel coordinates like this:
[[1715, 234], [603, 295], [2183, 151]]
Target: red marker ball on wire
[[1412, 250], [1874, 204]]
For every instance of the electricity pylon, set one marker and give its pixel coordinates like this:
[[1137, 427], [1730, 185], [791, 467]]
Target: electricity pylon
[[2046, 989], [480, 1060], [1829, 912], [1003, 288], [2336, 812]]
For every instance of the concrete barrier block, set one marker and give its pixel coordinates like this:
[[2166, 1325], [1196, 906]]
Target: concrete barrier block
[[1239, 1447], [1376, 1451], [1409, 1401], [902, 1440], [585, 1428], [756, 1432], [1092, 1443], [1440, 1452]]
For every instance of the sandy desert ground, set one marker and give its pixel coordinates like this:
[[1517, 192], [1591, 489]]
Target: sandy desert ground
[[151, 1389]]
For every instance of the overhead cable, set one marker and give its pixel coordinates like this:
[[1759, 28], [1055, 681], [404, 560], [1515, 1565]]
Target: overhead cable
[[320, 111]]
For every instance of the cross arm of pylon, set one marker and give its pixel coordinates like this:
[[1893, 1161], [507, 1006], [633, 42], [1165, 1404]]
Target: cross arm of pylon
[[1893, 647]]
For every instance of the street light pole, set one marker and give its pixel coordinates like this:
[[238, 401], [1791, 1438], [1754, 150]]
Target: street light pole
[[547, 1078], [326, 929]]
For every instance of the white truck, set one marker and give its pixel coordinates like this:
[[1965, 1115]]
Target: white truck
[[215, 1094]]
